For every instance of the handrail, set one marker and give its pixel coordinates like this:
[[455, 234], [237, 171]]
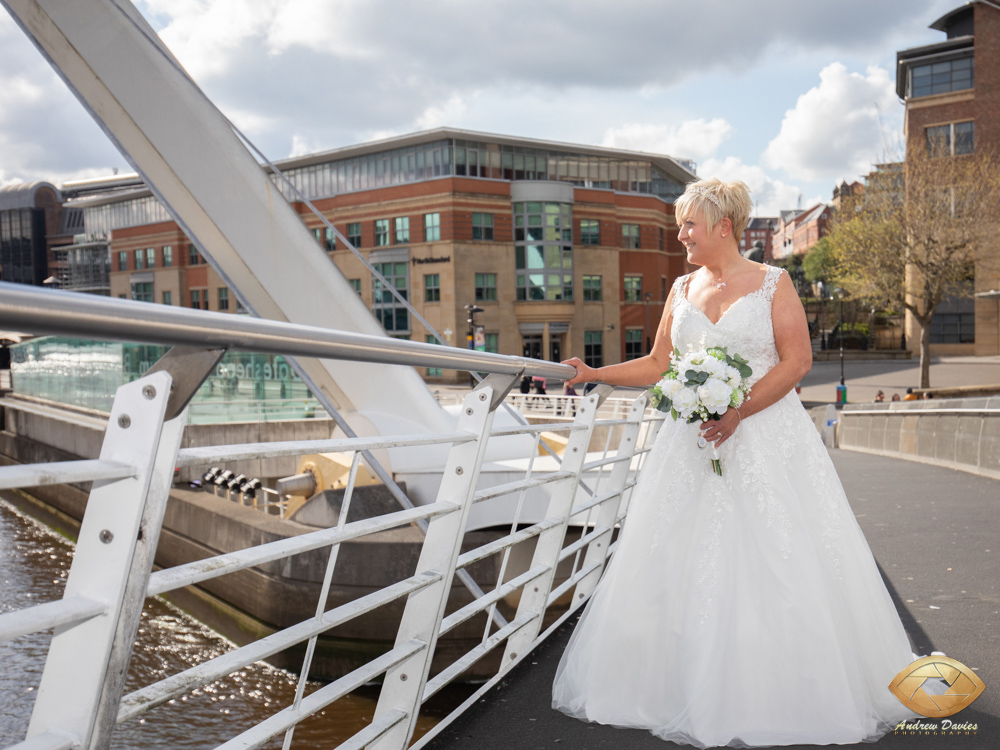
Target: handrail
[[62, 313]]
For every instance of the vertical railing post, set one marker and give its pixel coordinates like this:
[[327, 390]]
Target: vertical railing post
[[607, 513], [73, 680], [403, 687], [550, 542]]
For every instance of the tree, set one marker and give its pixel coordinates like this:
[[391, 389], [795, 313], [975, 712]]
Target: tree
[[819, 264], [926, 228]]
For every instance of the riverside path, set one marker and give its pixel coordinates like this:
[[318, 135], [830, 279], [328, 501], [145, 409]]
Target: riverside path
[[935, 534]]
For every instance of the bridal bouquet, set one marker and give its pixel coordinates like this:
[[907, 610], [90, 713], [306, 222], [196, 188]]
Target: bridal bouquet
[[701, 385]]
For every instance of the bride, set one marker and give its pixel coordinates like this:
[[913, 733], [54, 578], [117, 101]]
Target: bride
[[747, 609]]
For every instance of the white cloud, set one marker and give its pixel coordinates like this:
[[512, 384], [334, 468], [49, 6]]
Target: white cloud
[[769, 195], [835, 129], [692, 139]]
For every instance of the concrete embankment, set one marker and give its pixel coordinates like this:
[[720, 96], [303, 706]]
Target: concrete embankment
[[960, 433]]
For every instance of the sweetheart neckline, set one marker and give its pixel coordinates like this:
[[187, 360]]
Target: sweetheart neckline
[[731, 305]]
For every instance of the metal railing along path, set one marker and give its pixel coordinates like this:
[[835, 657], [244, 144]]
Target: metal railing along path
[[79, 699]]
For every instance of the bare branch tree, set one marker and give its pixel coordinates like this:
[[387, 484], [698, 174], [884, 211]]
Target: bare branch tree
[[926, 228]]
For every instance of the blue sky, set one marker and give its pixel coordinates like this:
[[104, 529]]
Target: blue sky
[[789, 96]]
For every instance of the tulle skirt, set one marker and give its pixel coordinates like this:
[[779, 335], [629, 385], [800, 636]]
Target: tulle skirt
[[741, 610]]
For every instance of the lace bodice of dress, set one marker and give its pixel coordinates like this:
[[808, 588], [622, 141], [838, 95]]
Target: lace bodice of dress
[[745, 328]]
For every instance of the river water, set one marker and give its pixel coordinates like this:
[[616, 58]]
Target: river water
[[34, 563]]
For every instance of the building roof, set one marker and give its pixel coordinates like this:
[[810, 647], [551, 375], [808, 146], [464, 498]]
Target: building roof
[[22, 194], [763, 222], [680, 169], [788, 214], [951, 16], [812, 215]]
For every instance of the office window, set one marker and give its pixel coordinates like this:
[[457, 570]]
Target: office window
[[482, 226], [433, 372], [150, 257], [139, 256], [633, 288], [143, 292], [661, 236], [590, 232], [168, 256], [432, 287], [168, 298], [318, 234], [543, 251], [381, 232], [953, 328], [432, 227], [199, 299], [486, 287], [122, 260], [329, 240], [592, 289], [223, 298], [402, 230], [593, 348], [630, 236], [942, 77], [355, 285], [194, 257], [633, 343], [663, 288], [354, 234], [122, 296], [391, 313], [964, 139], [493, 342], [949, 140]]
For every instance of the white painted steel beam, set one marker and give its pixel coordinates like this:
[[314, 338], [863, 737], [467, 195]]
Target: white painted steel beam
[[54, 614], [201, 570], [188, 154], [78, 658], [61, 472], [324, 696], [139, 702]]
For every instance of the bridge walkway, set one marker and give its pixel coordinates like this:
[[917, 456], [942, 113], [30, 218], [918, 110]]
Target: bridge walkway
[[933, 532]]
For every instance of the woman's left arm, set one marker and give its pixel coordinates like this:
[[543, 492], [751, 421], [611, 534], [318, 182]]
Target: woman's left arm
[[791, 339]]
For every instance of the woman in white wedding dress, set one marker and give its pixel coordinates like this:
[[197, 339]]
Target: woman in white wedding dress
[[747, 609]]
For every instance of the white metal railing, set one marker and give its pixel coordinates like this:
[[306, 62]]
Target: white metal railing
[[79, 699]]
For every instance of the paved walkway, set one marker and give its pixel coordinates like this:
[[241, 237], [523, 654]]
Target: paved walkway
[[934, 533]]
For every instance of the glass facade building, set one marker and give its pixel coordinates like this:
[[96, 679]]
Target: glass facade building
[[243, 387], [22, 246], [478, 158]]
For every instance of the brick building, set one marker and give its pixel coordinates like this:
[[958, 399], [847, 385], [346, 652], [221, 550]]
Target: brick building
[[797, 231], [570, 250], [952, 94], [760, 229]]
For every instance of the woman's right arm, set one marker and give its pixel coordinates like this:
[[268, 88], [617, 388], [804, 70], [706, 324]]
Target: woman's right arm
[[642, 371]]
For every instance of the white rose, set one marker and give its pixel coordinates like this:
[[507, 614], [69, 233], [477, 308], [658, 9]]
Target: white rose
[[670, 386], [715, 395], [714, 367], [733, 376], [685, 401]]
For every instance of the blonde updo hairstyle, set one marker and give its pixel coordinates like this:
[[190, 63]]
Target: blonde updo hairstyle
[[716, 200]]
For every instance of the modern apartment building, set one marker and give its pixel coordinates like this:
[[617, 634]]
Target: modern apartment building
[[952, 94], [569, 250]]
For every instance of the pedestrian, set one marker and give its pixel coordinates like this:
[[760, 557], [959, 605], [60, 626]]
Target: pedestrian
[[879, 397], [928, 395], [526, 384], [540, 386], [895, 397], [910, 395]]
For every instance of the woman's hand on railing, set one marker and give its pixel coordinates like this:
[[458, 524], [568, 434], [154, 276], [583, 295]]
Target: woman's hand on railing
[[584, 373]]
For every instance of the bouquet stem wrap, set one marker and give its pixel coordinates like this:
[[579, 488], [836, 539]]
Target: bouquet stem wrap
[[701, 385]]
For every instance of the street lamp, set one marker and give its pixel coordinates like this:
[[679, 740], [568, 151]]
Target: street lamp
[[822, 316], [649, 347], [841, 389], [472, 310]]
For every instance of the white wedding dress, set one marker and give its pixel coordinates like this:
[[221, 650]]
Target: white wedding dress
[[741, 610]]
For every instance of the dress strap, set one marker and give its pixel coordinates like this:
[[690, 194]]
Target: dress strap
[[679, 290], [771, 282]]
